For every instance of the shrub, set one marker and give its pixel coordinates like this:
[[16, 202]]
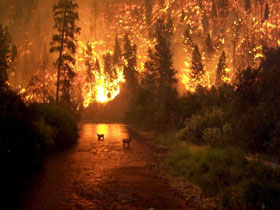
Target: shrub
[[218, 137], [20, 144], [260, 195], [58, 124], [194, 130], [227, 173]]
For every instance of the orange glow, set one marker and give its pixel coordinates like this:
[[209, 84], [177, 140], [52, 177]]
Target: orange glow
[[249, 34]]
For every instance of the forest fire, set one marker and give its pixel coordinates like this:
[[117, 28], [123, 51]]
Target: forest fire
[[240, 34], [199, 77]]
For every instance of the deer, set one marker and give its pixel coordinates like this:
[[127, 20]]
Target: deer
[[126, 141], [100, 136]]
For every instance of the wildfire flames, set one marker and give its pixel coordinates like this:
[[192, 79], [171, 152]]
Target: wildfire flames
[[244, 30]]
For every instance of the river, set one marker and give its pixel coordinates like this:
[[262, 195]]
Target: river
[[100, 175]]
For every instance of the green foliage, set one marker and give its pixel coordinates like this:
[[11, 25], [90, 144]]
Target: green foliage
[[59, 124], [168, 139], [227, 173], [27, 134], [203, 129], [243, 116]]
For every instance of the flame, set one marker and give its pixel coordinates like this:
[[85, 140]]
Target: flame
[[248, 48]]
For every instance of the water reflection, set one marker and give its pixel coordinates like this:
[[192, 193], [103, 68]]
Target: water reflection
[[98, 175]]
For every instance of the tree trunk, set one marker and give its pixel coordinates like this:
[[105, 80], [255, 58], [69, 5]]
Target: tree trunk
[[60, 56]]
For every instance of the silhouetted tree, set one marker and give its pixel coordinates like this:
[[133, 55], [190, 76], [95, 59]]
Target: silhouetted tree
[[163, 54], [14, 60], [94, 15], [65, 42], [209, 49], [150, 75], [130, 59], [223, 6], [5, 48], [97, 66], [197, 71], [221, 69], [183, 15], [108, 66], [266, 12], [247, 5], [89, 64], [117, 56], [188, 42], [161, 3], [205, 23], [214, 12], [148, 11]]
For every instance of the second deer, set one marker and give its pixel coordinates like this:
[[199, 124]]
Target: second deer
[[127, 141], [100, 136]]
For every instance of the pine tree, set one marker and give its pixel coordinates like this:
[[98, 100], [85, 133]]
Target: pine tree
[[130, 72], [236, 27], [5, 46], [117, 56], [209, 49], [247, 5], [161, 3], [183, 15], [221, 69], [89, 64], [170, 27], [205, 23], [214, 12], [64, 43], [150, 75], [148, 11], [223, 6], [163, 54], [188, 42], [108, 66], [266, 12], [197, 71], [94, 16], [97, 66], [14, 60]]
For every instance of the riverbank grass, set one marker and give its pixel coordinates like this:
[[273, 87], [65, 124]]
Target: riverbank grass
[[225, 173]]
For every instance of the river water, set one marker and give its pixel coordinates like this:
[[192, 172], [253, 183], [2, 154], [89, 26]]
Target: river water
[[100, 175]]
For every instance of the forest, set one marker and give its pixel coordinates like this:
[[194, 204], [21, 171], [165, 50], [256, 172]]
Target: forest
[[193, 72]]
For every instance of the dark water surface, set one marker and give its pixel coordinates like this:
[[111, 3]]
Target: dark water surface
[[100, 175]]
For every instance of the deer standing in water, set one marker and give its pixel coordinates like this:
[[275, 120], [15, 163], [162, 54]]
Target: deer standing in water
[[126, 141], [100, 136]]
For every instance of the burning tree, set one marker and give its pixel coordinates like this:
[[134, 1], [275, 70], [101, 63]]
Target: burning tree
[[65, 43]]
